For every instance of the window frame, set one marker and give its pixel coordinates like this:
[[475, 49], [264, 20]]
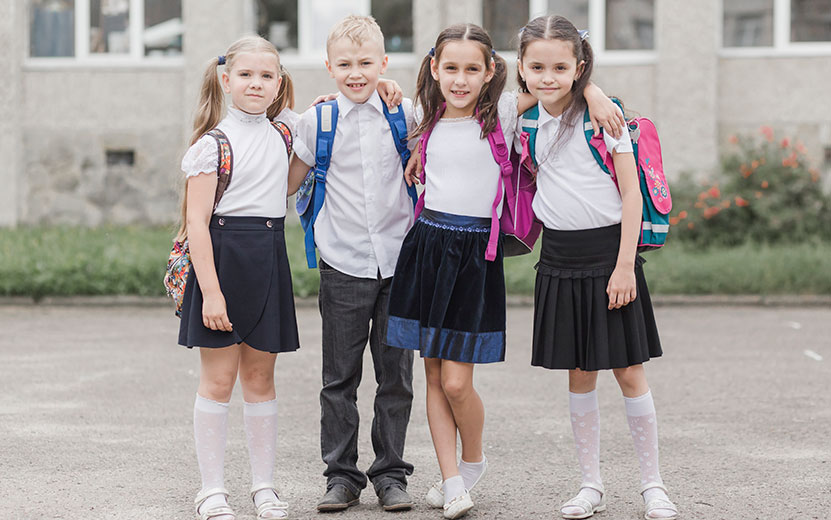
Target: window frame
[[307, 55], [84, 58], [597, 37], [782, 44]]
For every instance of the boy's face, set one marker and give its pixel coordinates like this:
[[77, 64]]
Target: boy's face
[[356, 68]]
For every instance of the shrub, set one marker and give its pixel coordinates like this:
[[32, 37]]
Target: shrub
[[765, 192]]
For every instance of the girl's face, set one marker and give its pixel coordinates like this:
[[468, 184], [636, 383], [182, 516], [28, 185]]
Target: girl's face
[[462, 73], [253, 81], [550, 69]]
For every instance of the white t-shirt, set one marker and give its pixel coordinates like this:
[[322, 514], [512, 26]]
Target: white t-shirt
[[573, 192], [462, 175], [259, 176], [367, 211]]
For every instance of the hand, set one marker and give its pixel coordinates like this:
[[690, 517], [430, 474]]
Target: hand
[[603, 112], [323, 99], [413, 170], [390, 93], [214, 315], [621, 288]]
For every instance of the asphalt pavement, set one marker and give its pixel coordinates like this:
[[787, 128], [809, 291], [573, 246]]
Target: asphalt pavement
[[96, 407]]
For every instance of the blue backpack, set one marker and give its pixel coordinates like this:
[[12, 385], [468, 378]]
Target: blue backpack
[[657, 201], [312, 193]]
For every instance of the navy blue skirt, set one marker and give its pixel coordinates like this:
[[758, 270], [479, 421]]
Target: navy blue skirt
[[255, 279], [573, 327], [446, 300]]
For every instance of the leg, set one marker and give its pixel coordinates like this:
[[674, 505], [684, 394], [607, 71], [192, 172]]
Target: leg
[[256, 373], [346, 307], [643, 425], [393, 400], [585, 425], [210, 419], [440, 419], [468, 411]]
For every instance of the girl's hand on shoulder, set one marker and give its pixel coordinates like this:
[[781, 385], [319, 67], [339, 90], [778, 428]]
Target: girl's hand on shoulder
[[390, 92], [413, 170], [214, 312], [324, 98], [603, 112], [621, 288]]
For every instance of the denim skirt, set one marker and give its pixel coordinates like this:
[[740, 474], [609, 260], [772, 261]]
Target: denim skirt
[[446, 300], [255, 279], [573, 327]]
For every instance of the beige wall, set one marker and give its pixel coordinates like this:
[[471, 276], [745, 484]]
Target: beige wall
[[11, 14]]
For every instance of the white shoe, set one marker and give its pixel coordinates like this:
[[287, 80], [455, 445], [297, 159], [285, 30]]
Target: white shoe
[[270, 509], [213, 512], [458, 507], [588, 508], [435, 495], [659, 503]]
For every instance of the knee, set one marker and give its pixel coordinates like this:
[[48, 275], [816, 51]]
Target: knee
[[629, 378], [217, 386], [456, 389], [257, 381], [581, 381]]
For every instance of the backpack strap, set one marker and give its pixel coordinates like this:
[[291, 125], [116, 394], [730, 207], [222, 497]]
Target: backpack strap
[[398, 126], [285, 133], [224, 163], [327, 120], [502, 155], [530, 124], [597, 145]]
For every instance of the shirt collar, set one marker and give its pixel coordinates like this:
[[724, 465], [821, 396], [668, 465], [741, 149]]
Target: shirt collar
[[244, 117], [345, 105]]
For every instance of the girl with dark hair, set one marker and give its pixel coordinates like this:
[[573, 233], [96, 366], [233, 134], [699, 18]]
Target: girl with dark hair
[[591, 304], [448, 293]]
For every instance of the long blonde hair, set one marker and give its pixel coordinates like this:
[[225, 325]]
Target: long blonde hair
[[211, 106]]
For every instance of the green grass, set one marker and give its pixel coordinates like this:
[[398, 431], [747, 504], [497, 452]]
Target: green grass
[[66, 261]]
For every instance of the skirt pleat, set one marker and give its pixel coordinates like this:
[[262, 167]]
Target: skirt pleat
[[573, 327], [255, 280], [446, 300]]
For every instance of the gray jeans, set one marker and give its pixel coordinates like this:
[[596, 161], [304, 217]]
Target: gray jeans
[[354, 310]]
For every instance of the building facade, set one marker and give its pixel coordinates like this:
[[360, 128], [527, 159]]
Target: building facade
[[99, 94]]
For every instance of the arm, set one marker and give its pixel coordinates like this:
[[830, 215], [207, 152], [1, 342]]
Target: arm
[[524, 101], [297, 173], [621, 288], [603, 112], [413, 170], [200, 196]]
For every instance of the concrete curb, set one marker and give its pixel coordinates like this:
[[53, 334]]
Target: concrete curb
[[664, 300]]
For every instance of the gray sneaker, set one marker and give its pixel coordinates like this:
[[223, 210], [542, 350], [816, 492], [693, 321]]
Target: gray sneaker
[[393, 497], [337, 498]]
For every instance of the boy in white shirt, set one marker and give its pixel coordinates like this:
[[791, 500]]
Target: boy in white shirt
[[358, 233]]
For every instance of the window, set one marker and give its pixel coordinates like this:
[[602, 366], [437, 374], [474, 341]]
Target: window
[[778, 25], [301, 27], [616, 27], [88, 30]]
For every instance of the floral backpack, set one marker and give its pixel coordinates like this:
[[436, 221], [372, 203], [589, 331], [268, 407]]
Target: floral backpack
[[179, 264]]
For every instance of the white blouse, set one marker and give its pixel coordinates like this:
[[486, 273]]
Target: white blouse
[[259, 178], [462, 174], [573, 192]]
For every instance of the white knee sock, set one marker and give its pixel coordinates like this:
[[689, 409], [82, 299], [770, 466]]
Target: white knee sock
[[210, 422], [585, 424], [261, 432], [643, 425]]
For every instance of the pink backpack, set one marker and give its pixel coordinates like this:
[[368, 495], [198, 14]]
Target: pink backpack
[[517, 222]]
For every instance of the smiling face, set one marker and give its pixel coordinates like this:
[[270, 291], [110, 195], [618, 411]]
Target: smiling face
[[356, 68], [253, 80], [462, 71], [549, 69]]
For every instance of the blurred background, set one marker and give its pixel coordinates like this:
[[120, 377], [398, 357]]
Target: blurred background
[[99, 97]]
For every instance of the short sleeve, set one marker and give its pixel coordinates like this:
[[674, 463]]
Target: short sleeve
[[290, 118], [305, 146], [507, 108], [409, 116], [201, 157], [623, 144]]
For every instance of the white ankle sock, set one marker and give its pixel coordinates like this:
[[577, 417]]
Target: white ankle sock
[[261, 433], [210, 423], [453, 487], [585, 425], [472, 471], [643, 425]]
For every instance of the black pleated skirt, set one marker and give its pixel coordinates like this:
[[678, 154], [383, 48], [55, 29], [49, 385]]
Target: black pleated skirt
[[255, 279], [446, 300], [573, 327]]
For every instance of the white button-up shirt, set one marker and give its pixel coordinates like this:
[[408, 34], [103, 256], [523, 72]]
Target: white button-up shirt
[[367, 211]]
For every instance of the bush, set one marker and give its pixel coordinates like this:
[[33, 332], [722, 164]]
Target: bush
[[766, 192]]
